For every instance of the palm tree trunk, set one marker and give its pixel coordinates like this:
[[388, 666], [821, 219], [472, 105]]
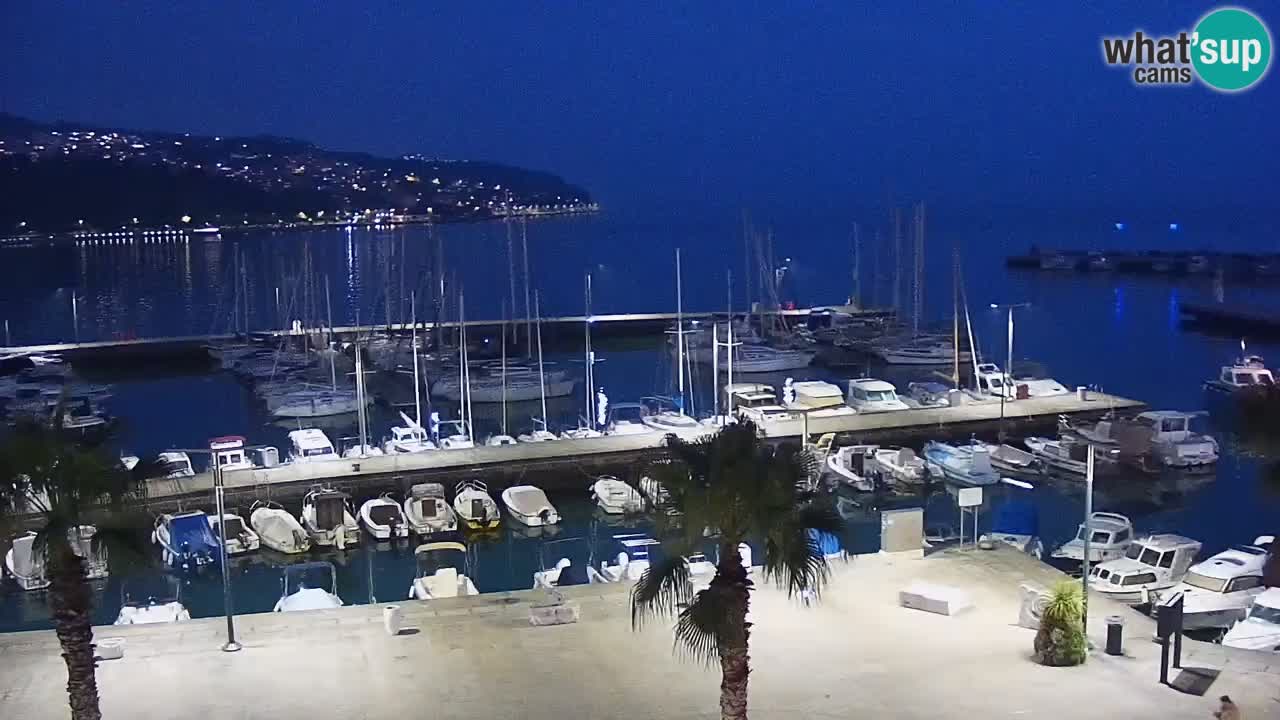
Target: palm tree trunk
[[734, 659], [72, 606]]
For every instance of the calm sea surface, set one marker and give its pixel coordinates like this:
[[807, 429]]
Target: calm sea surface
[[1117, 332]]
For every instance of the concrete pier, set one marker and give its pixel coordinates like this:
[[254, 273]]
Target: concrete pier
[[498, 465], [856, 653]]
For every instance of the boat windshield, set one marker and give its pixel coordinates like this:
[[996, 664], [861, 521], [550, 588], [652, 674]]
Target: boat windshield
[[1204, 582], [1099, 537], [173, 467], [879, 395], [141, 591], [430, 561], [1264, 378], [1244, 378], [1143, 554], [309, 575], [313, 452], [627, 413], [1265, 613]]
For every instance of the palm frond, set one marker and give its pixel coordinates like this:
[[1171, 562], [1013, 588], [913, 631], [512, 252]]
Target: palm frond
[[793, 560], [713, 622], [820, 515], [122, 537], [662, 587]]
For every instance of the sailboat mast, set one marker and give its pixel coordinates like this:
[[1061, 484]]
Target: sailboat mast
[[955, 319], [715, 368], [462, 371], [504, 371], [417, 383], [679, 334], [590, 356], [897, 260], [524, 257], [855, 297], [511, 263], [328, 307], [542, 375], [360, 414]]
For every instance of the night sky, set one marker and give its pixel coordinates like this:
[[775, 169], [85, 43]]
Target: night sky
[[723, 105]]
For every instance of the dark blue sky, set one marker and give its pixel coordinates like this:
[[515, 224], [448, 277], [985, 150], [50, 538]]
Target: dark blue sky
[[727, 104]]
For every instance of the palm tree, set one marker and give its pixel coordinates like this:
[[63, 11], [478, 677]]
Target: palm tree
[[54, 484], [1060, 640], [734, 486]]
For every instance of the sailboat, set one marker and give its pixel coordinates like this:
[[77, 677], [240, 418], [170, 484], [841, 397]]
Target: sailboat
[[411, 437], [463, 438], [539, 432], [363, 448], [585, 427], [658, 413], [503, 438]]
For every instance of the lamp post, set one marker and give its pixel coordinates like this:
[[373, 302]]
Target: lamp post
[[1088, 532], [1006, 383], [217, 447]]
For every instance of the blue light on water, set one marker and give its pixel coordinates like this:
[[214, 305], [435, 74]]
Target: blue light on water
[[1173, 227], [1120, 226]]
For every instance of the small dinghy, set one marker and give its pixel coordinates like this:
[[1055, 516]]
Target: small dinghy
[[384, 518], [185, 540], [427, 511], [615, 496], [326, 515], [277, 529], [1010, 459], [475, 506], [575, 570], [443, 571], [852, 464], [901, 465], [529, 506], [309, 586], [1064, 455], [963, 465], [150, 601], [240, 539]]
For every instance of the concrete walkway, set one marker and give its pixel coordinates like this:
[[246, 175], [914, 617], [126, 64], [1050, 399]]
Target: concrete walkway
[[856, 654]]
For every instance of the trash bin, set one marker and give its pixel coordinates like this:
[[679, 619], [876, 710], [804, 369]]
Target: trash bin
[[1115, 635]]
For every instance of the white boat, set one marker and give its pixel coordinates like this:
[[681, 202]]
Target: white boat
[[185, 540], [1063, 455], [1173, 444], [175, 464], [1260, 630], [310, 445], [358, 450], [921, 353], [615, 496], [383, 518], [277, 529], [151, 601], [499, 441], [566, 571], [854, 465], [442, 572], [1219, 591], [755, 402], [475, 507], [1151, 563], [529, 506], [580, 433], [308, 586], [83, 417], [519, 388], [965, 465], [994, 382], [632, 559], [900, 464], [662, 414], [868, 395], [1007, 458], [427, 511], [229, 453], [815, 398], [538, 434], [409, 438], [317, 404], [1112, 534], [1248, 374], [758, 359], [24, 565], [327, 518], [627, 419], [240, 538], [459, 440]]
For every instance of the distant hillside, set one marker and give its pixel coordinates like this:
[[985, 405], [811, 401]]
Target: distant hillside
[[62, 177]]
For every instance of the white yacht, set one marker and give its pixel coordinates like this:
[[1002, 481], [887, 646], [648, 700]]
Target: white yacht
[[900, 464], [308, 586], [310, 445], [409, 438], [1218, 592], [923, 352], [755, 402], [816, 398], [229, 453], [1112, 534], [442, 572], [175, 464], [627, 419], [1260, 630], [854, 465], [1151, 563], [475, 506], [1064, 455], [991, 380], [427, 510], [1173, 444], [615, 496], [519, 387], [384, 518], [662, 414], [459, 440], [277, 529], [760, 359], [868, 395], [326, 516], [241, 538], [1247, 374], [529, 506]]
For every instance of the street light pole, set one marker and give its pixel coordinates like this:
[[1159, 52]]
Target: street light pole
[[1088, 532], [231, 645]]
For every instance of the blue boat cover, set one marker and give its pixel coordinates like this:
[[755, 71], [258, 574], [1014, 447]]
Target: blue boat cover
[[1017, 517], [190, 536], [827, 543]]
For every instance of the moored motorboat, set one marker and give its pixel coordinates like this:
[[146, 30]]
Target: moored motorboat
[[1249, 374], [1009, 459], [475, 506], [529, 506], [240, 538], [278, 529], [1260, 630], [965, 465], [185, 540], [868, 395], [147, 601], [1063, 455], [615, 496], [900, 465], [24, 564], [1110, 535], [384, 518], [854, 466], [308, 586], [574, 567], [326, 516], [1151, 563], [310, 445], [1218, 592], [443, 571], [427, 511]]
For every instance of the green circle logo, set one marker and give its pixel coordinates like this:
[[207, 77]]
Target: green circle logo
[[1231, 49]]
